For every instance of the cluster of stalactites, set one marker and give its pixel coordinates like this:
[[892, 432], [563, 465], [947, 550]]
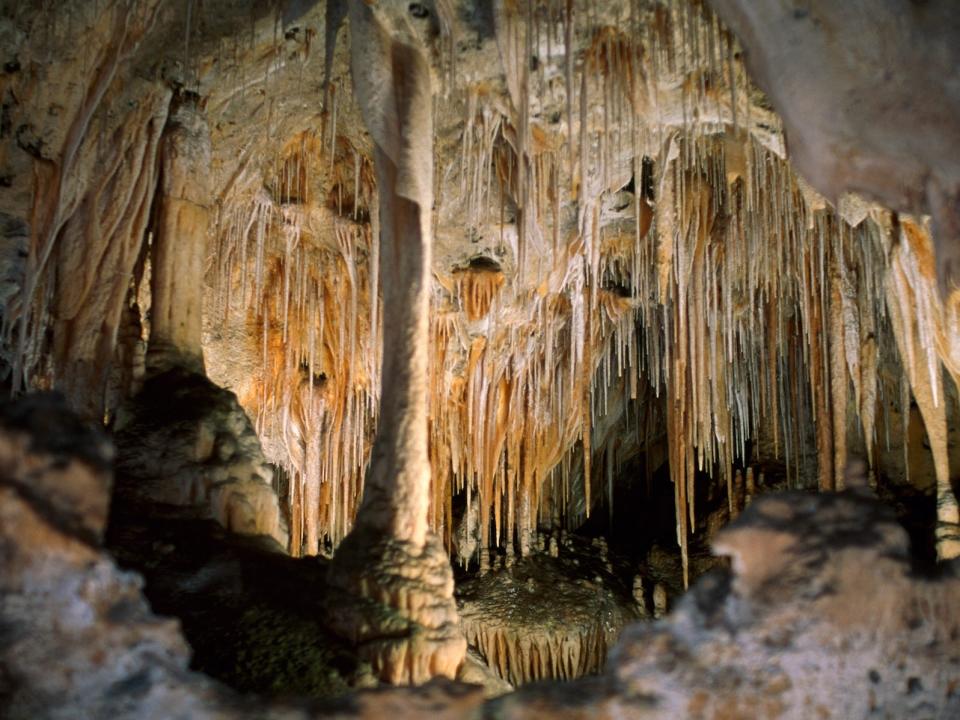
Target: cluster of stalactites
[[295, 268], [514, 423], [763, 310], [723, 286], [750, 308], [772, 310], [560, 653]]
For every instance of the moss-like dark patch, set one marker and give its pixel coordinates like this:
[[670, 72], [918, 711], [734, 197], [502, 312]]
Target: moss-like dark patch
[[268, 650], [254, 618]]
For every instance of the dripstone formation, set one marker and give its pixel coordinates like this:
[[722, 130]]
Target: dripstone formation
[[610, 344]]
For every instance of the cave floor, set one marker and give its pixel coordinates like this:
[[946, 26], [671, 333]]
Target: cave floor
[[253, 617]]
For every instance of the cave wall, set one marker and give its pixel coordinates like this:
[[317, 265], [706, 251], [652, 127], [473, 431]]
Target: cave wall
[[617, 229]]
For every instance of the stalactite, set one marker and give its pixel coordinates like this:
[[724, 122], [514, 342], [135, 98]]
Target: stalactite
[[745, 304], [838, 381], [317, 391], [477, 286], [912, 303]]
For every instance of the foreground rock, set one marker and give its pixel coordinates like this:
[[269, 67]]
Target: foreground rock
[[820, 617], [79, 640]]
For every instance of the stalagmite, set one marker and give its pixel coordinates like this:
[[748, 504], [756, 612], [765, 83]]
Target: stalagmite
[[207, 458], [539, 618], [395, 569], [640, 596], [659, 601], [179, 249], [911, 301]]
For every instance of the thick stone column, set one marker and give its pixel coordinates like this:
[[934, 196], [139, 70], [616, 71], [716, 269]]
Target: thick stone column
[[396, 602], [181, 219], [182, 440]]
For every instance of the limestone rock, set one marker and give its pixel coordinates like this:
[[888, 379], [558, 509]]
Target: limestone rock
[[185, 442], [51, 458], [822, 615], [476, 671], [396, 605], [79, 639]]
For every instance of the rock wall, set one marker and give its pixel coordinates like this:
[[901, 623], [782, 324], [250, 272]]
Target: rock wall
[[614, 215]]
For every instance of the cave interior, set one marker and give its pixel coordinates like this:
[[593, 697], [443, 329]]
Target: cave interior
[[507, 359]]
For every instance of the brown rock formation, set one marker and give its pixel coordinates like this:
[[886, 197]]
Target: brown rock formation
[[821, 615], [543, 618], [186, 443], [179, 250], [404, 618]]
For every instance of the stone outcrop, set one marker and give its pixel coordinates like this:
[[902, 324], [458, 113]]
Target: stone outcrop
[[821, 616], [184, 442], [56, 462], [80, 641]]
